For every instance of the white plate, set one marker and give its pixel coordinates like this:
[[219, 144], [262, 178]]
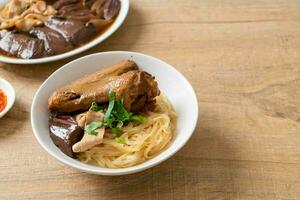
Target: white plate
[[170, 81], [116, 24], [9, 91]]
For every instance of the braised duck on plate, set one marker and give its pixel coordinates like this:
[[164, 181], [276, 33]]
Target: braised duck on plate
[[43, 28]]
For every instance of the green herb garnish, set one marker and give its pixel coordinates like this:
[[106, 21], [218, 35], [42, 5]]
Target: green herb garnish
[[115, 116], [120, 140], [91, 128], [138, 118], [95, 107], [116, 131], [112, 98], [122, 99]]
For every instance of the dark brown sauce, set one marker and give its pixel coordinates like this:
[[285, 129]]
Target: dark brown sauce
[[97, 35]]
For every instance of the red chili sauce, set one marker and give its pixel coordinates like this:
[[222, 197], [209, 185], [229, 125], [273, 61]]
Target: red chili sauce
[[3, 100]]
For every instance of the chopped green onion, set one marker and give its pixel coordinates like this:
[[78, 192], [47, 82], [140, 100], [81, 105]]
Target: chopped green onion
[[91, 128], [120, 140], [116, 131], [116, 115], [112, 97], [95, 133], [138, 118], [120, 124], [95, 107], [122, 99]]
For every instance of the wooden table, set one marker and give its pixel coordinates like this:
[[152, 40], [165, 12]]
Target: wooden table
[[243, 59]]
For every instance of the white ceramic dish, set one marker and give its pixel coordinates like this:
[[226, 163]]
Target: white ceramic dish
[[170, 81], [116, 24], [9, 91]]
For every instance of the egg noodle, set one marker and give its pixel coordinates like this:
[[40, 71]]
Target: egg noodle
[[141, 141]]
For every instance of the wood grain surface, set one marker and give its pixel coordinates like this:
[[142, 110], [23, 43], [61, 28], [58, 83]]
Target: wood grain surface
[[243, 59]]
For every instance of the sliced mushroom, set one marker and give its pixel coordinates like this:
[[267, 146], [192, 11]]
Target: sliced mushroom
[[26, 24], [16, 7], [24, 14]]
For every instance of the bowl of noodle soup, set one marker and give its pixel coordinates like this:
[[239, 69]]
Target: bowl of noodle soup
[[167, 128]]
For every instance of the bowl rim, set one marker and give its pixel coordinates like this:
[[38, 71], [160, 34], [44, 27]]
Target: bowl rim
[[105, 35], [11, 95], [119, 171]]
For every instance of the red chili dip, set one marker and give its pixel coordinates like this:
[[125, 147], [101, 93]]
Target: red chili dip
[[3, 100]]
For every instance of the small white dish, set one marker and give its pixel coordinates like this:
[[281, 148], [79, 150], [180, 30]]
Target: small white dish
[[170, 81], [9, 91], [116, 24]]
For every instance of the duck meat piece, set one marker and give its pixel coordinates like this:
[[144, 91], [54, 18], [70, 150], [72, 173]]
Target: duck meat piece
[[21, 45], [77, 12], [65, 10], [83, 15], [138, 87], [54, 43], [88, 3], [111, 9], [65, 132], [98, 8], [60, 3], [106, 9], [73, 31]]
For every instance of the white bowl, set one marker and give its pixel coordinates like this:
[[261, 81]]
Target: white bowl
[[116, 24], [170, 81], [9, 91]]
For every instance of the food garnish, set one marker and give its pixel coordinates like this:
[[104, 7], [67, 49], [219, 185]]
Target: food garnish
[[116, 115], [3, 100], [91, 128], [120, 140]]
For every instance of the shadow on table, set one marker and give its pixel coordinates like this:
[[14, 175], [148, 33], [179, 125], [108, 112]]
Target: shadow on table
[[121, 40], [199, 170]]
